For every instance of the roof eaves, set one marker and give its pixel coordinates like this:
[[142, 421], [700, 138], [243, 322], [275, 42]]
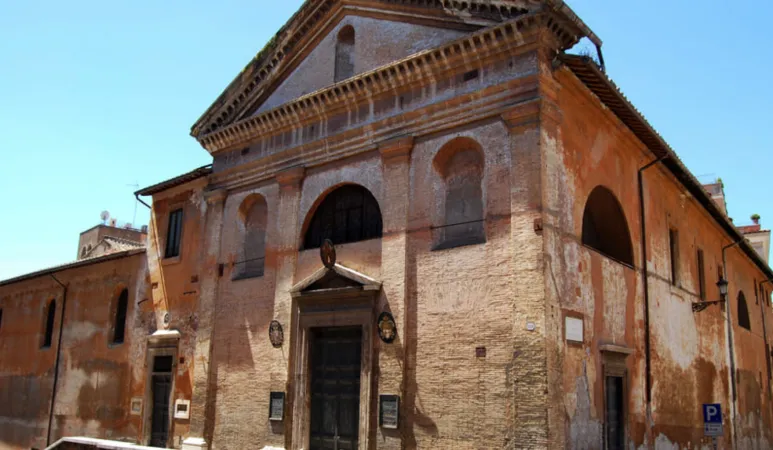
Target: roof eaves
[[606, 90], [176, 181], [73, 265]]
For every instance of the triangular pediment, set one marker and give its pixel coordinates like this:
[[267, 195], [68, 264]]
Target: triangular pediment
[[336, 278], [399, 28]]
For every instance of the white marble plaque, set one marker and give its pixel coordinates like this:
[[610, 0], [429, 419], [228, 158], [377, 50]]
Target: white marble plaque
[[573, 329]]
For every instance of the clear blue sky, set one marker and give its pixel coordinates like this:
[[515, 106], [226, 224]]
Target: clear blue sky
[[98, 96]]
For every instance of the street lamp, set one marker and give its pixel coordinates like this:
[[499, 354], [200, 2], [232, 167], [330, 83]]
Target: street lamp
[[722, 285]]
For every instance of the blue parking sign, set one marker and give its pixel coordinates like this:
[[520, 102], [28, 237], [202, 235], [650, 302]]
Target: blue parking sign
[[712, 413], [712, 420]]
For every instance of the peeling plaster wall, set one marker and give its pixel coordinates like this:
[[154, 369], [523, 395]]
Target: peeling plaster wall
[[175, 289], [377, 42], [95, 377], [689, 350]]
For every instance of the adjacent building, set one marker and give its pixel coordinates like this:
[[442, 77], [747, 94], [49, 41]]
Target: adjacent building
[[426, 225]]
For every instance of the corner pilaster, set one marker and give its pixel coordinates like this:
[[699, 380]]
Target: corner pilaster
[[202, 402]]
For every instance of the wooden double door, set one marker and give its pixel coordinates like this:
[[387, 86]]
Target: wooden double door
[[336, 355]]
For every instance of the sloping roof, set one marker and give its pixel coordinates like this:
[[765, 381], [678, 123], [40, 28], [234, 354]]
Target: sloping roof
[[241, 95], [73, 265], [605, 89], [117, 244], [202, 171]]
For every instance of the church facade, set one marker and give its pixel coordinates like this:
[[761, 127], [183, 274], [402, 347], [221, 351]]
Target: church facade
[[427, 225]]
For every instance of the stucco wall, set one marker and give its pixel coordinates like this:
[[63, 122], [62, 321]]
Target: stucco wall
[[690, 356], [96, 380]]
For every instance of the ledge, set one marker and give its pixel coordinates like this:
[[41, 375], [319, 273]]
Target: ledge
[[612, 348]]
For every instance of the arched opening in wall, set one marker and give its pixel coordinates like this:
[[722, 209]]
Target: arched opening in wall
[[604, 227], [48, 331], [743, 312], [253, 213], [119, 325], [349, 213], [83, 252], [460, 165], [344, 63]]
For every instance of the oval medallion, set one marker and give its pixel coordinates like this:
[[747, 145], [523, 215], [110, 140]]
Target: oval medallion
[[387, 330], [275, 333], [328, 253]]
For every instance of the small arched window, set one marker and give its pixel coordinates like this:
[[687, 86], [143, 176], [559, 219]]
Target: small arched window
[[83, 252], [344, 63], [460, 166], [119, 326], [48, 332], [604, 227], [350, 213], [743, 312], [254, 215]]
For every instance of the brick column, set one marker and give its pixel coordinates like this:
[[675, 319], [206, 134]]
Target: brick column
[[286, 248], [396, 157], [202, 403], [536, 404]]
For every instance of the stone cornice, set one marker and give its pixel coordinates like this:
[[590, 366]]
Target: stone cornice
[[412, 70], [248, 86], [486, 104]]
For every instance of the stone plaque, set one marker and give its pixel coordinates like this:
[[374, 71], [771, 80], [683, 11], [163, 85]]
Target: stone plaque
[[389, 411], [573, 329], [276, 406]]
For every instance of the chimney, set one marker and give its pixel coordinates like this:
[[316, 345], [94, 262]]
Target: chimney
[[112, 222]]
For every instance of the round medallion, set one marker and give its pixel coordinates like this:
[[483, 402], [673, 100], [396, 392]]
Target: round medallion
[[387, 330], [167, 319], [328, 253], [275, 333]]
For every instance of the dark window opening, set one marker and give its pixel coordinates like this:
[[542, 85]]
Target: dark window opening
[[673, 245], [701, 275], [49, 331], [604, 227], [348, 214], [173, 233], [743, 312], [162, 364], [756, 293], [1, 318], [614, 413], [460, 164], [119, 328], [344, 63]]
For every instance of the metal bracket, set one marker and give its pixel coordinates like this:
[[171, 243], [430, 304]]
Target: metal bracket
[[700, 306]]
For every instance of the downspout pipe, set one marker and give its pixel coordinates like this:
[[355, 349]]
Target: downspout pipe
[[765, 334], [137, 196], [645, 279], [730, 346], [58, 359]]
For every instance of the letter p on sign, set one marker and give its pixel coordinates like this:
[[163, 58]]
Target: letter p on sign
[[712, 413]]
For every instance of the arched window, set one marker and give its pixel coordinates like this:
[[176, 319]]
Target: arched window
[[743, 312], [48, 333], [460, 166], [604, 227], [254, 215], [119, 327], [83, 252], [348, 214], [344, 63]]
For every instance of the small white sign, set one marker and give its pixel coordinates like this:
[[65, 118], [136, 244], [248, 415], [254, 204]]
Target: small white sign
[[136, 406], [573, 329], [182, 409]]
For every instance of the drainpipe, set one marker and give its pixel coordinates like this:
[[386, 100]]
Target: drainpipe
[[137, 196], [58, 359], [731, 349], [645, 277], [765, 336]]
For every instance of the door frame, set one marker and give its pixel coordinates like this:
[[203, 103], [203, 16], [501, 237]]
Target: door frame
[[159, 346], [328, 310]]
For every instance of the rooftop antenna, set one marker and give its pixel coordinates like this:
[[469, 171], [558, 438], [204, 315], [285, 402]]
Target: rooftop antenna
[[104, 215], [136, 200]]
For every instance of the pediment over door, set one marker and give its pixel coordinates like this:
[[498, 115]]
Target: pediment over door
[[337, 279]]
